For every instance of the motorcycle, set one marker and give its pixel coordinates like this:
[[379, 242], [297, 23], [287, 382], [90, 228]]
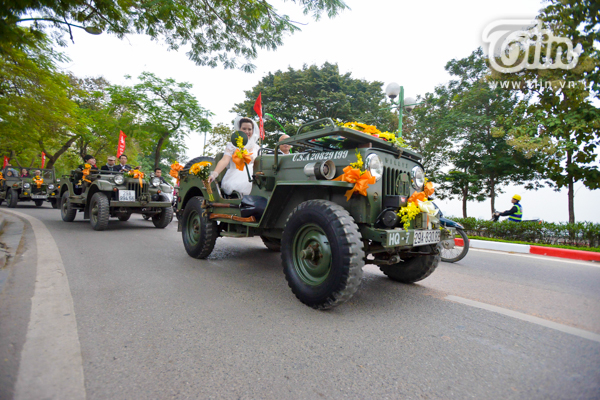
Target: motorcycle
[[461, 244]]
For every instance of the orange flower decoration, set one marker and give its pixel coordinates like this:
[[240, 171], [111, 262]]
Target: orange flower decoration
[[175, 168], [422, 196], [38, 181], [136, 173], [361, 180], [241, 158], [86, 172]]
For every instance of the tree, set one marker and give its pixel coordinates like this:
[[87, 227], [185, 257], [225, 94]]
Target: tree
[[295, 97], [165, 111], [560, 121], [216, 32], [219, 137]]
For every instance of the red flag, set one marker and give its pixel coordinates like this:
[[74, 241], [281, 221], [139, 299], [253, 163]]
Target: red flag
[[121, 146], [6, 159], [43, 159], [258, 109]]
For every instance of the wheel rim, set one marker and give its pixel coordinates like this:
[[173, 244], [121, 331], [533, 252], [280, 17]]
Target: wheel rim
[[193, 228], [65, 207], [9, 197], [312, 255], [450, 254], [94, 212]]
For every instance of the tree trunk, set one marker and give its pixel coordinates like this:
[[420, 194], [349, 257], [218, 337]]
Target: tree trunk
[[465, 193], [52, 158], [493, 194], [571, 193], [158, 149]]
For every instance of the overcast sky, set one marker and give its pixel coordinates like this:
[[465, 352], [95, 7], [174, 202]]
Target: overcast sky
[[406, 42]]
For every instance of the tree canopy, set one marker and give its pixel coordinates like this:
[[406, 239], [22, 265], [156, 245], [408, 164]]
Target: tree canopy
[[224, 32]]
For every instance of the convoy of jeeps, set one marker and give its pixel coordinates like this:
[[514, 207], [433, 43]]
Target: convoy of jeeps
[[340, 201]]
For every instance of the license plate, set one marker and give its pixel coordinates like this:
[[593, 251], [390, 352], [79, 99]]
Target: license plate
[[39, 196], [426, 237], [126, 195]]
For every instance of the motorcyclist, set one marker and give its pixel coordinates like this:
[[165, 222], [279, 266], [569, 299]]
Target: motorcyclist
[[515, 214]]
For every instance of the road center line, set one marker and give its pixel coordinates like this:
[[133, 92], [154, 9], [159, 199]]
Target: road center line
[[528, 318], [51, 365]]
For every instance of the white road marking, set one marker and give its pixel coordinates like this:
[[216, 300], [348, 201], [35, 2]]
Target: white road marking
[[545, 258], [51, 365], [528, 318]]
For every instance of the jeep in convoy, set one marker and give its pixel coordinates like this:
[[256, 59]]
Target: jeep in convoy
[[28, 184], [325, 235], [101, 195]]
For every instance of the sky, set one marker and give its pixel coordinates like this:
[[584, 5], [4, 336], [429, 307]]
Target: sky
[[388, 41]]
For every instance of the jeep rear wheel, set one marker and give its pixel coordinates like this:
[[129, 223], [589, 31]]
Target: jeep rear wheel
[[124, 217], [165, 217], [38, 203], [271, 243], [415, 268], [199, 233], [67, 212], [99, 211], [12, 198], [322, 254]]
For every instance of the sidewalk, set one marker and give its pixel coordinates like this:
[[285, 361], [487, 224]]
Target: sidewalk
[[529, 249]]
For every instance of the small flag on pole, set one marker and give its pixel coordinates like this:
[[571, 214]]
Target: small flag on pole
[[258, 109], [6, 159], [43, 159], [121, 146]]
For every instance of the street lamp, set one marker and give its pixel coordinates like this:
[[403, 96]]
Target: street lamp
[[394, 90]]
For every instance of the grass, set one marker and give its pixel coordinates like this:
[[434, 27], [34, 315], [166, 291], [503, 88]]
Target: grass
[[558, 246]]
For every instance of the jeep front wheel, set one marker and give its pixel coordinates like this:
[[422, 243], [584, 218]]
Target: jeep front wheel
[[415, 268], [322, 254], [199, 232], [67, 212], [12, 198], [99, 211], [54, 203], [165, 217], [38, 203]]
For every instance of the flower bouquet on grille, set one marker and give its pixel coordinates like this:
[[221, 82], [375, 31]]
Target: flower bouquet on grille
[[202, 171]]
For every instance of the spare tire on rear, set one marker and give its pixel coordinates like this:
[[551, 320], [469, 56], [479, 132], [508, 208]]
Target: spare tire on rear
[[197, 160]]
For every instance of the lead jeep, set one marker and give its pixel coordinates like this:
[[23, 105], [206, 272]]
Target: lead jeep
[[38, 186], [104, 194], [297, 208]]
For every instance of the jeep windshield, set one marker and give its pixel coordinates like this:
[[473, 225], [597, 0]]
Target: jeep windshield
[[28, 173]]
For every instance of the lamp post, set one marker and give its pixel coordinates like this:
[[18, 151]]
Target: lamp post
[[394, 90]]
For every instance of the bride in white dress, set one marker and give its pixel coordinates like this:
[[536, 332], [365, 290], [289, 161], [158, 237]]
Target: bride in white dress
[[235, 179]]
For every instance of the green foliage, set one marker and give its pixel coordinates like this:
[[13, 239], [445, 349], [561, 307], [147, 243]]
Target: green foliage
[[216, 32], [295, 97], [581, 234], [561, 122], [219, 137]]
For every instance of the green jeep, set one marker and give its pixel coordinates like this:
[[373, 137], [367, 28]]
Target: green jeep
[[297, 208], [37, 185], [104, 194]]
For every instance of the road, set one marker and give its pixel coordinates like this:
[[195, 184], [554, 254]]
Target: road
[[153, 323]]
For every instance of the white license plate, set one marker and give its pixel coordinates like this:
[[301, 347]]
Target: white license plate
[[126, 195], [427, 237], [39, 196]]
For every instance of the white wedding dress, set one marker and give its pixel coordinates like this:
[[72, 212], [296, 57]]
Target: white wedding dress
[[235, 179]]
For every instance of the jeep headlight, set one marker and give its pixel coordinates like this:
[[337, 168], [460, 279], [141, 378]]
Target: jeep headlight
[[155, 181], [26, 185], [374, 166], [119, 179], [417, 176], [50, 187]]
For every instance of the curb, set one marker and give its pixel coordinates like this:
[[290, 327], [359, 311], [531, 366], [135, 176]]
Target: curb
[[528, 249]]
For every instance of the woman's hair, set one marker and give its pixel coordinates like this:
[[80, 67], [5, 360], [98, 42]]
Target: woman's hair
[[247, 120]]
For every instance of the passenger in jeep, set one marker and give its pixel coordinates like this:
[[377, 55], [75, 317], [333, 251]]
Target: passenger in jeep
[[235, 179]]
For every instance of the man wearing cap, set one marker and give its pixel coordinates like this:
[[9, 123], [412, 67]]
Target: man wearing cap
[[111, 164], [515, 214]]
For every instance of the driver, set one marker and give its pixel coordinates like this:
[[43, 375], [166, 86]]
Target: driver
[[515, 214]]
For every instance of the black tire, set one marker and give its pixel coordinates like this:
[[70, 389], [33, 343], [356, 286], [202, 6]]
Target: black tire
[[67, 212], [197, 160], [199, 233], [99, 211], [336, 275], [163, 219], [38, 203], [54, 203], [458, 252], [124, 217], [413, 269], [271, 243], [13, 198]]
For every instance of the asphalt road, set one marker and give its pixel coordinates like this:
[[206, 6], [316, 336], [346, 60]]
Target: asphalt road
[[154, 323]]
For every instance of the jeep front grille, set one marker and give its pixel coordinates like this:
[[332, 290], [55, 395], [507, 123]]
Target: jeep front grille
[[136, 186], [393, 185]]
